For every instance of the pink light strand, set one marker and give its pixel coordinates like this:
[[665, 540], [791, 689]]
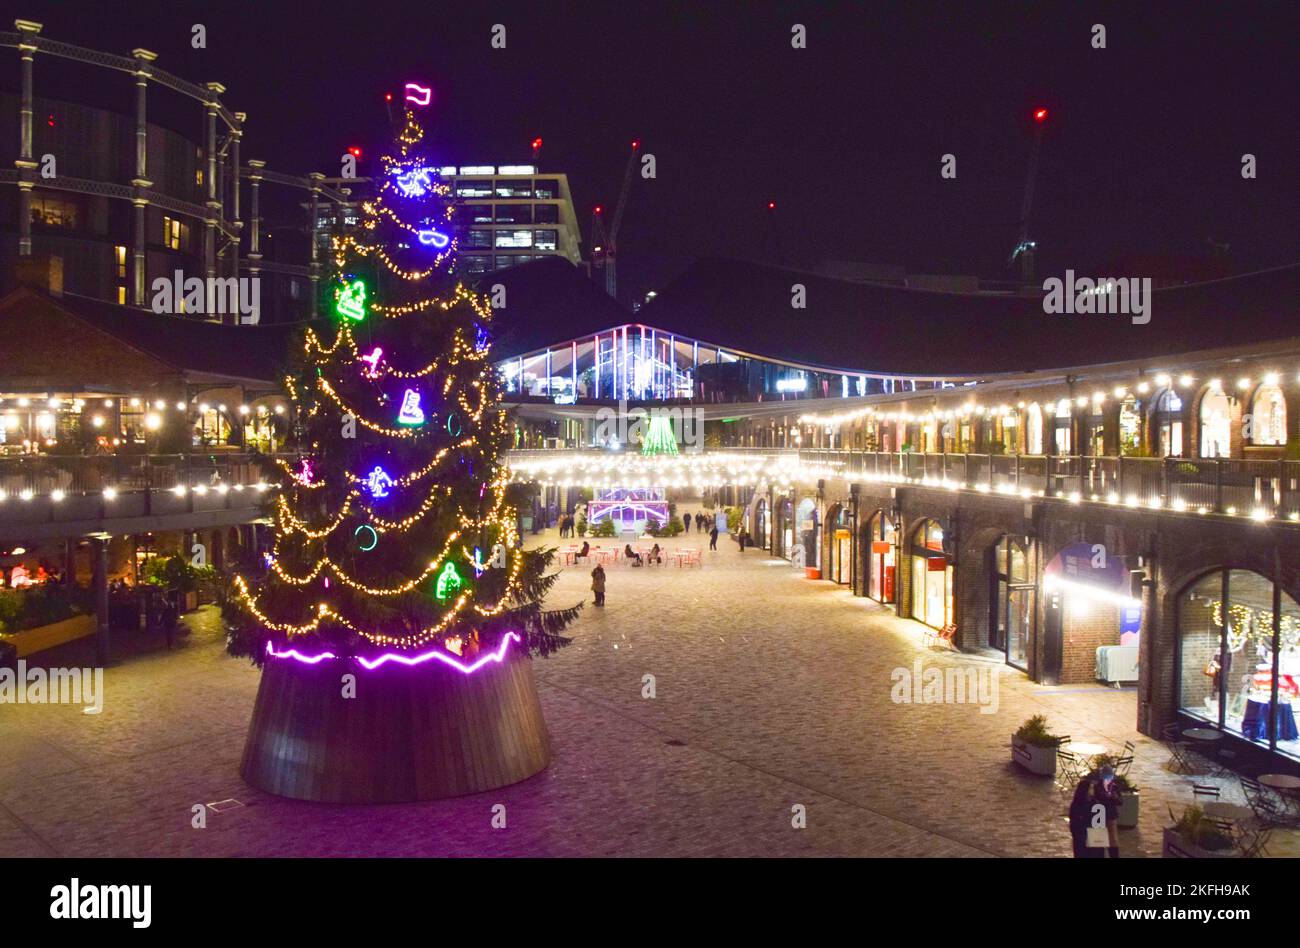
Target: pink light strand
[[437, 654]]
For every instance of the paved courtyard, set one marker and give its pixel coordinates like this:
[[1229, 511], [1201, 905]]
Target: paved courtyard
[[771, 691]]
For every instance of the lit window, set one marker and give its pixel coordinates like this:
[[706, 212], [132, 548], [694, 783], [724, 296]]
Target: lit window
[[119, 253], [546, 239], [53, 212], [514, 238], [173, 233], [1268, 416]]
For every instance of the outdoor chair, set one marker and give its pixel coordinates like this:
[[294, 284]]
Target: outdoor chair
[[1204, 793], [1179, 752], [1067, 772], [1122, 765], [1267, 809], [1253, 840]]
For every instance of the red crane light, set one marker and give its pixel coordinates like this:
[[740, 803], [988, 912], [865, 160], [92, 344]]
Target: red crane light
[[388, 97], [354, 151], [598, 208], [1040, 115], [537, 143], [771, 205]]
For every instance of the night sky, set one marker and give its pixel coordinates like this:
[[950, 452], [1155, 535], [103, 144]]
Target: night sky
[[1142, 157]]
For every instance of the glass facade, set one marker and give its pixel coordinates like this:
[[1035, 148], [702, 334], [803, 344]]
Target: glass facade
[[1239, 657]]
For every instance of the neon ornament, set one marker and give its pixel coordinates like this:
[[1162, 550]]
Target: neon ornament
[[453, 425], [477, 561], [411, 412], [374, 537], [417, 94], [448, 582], [378, 482], [373, 360], [352, 301], [437, 654], [305, 474], [434, 238], [415, 183]]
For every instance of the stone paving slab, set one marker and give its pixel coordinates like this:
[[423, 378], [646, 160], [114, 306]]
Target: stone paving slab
[[771, 691]]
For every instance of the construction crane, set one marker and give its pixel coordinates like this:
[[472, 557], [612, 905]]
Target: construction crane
[[604, 240], [1024, 249]]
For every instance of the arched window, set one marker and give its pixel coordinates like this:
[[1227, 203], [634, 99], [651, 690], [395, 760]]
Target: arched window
[[1268, 416], [932, 576], [1130, 426], [1062, 429], [1216, 425], [1168, 424], [1229, 641], [883, 552], [1034, 430]]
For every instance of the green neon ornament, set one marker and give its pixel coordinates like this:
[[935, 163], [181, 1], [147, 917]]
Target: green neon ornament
[[448, 582], [352, 301]]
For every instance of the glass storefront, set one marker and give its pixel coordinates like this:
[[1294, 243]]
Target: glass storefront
[[932, 577], [1238, 661], [1014, 601], [884, 552], [841, 565]]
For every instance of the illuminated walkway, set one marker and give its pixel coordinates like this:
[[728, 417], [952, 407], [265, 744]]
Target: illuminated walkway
[[772, 691]]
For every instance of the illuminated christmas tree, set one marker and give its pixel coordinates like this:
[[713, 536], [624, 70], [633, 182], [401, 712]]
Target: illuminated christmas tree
[[395, 541]]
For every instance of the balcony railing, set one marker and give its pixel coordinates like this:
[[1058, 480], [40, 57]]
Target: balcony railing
[[53, 488], [1262, 489]]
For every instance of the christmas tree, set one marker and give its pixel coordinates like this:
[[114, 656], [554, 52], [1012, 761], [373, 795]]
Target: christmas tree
[[395, 538]]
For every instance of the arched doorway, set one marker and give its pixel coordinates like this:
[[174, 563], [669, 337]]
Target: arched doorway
[[882, 538], [932, 576], [808, 525], [1216, 425], [787, 527], [1167, 424], [1014, 601], [841, 545], [762, 524], [1237, 660]]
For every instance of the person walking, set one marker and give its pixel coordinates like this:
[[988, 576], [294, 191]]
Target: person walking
[[1095, 789], [713, 538], [742, 538], [686, 523], [598, 584], [699, 522]]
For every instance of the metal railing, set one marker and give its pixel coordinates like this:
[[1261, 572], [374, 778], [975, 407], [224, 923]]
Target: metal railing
[[1258, 488]]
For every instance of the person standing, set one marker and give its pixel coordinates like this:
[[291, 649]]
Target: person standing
[[1097, 789], [686, 523], [598, 584], [713, 538], [742, 538]]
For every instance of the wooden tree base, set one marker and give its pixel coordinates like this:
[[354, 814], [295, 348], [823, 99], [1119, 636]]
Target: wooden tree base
[[410, 733]]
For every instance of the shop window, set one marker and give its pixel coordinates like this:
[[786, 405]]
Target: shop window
[[1229, 642], [883, 551], [1268, 416], [1013, 605], [1168, 423], [809, 534], [932, 576], [1010, 427], [1216, 425]]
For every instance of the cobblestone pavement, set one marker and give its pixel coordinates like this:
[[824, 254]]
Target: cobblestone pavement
[[771, 691]]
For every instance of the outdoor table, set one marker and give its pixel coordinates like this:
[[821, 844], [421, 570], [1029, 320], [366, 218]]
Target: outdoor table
[[1085, 751], [1283, 782], [1206, 735]]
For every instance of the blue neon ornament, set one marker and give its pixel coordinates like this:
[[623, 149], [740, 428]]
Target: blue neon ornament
[[415, 183], [378, 482], [434, 239]]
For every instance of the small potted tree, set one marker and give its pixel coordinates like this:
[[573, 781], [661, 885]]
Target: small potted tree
[[1033, 747], [1195, 836]]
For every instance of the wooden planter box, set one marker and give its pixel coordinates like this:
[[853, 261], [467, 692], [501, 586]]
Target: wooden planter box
[[1035, 759], [1176, 847], [410, 733], [190, 601], [42, 637], [1129, 807]]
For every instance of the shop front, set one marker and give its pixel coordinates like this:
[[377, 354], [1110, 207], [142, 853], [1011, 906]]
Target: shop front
[[1239, 658], [932, 576], [1014, 600], [883, 557], [841, 545]]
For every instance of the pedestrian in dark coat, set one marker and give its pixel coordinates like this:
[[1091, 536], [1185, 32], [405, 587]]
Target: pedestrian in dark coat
[[686, 522], [1096, 789], [713, 538]]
